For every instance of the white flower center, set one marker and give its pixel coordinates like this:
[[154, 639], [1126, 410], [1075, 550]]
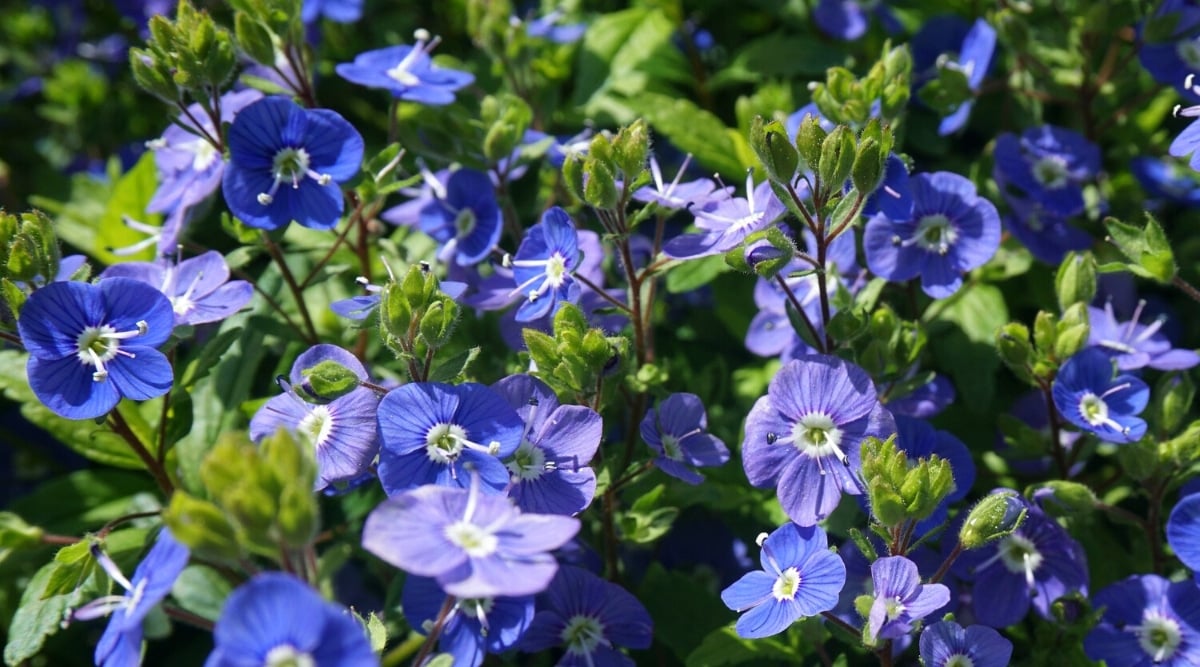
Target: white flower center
[[959, 660], [528, 462], [935, 233], [786, 585], [1021, 556], [286, 655], [203, 154], [671, 448], [317, 425], [445, 442], [97, 345], [583, 634], [292, 165], [893, 607], [401, 74], [1158, 635], [477, 542], [1051, 172], [1094, 409]]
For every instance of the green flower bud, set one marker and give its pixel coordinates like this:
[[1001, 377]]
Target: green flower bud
[[1012, 342], [329, 380], [867, 172], [992, 518], [254, 39], [437, 325], [1173, 398], [809, 139], [630, 149], [776, 152], [202, 527], [1045, 332], [1073, 331], [599, 188], [1076, 280], [573, 175], [837, 158], [1065, 498]]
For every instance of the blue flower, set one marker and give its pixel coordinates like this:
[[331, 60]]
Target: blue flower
[[463, 216], [433, 433], [121, 643], [338, 11], [189, 166], [1049, 237], [474, 627], [275, 142], [550, 473], [970, 47], [677, 431], [1188, 141], [199, 288], [952, 230], [1087, 395], [1049, 165], [342, 432], [800, 577], [700, 193], [276, 619], [91, 345], [475, 545], [407, 72], [544, 266], [847, 19], [1183, 531], [948, 644], [1134, 345], [551, 28], [804, 435], [900, 599], [589, 618], [1170, 58], [1147, 621], [924, 401], [1166, 181], [1035, 565]]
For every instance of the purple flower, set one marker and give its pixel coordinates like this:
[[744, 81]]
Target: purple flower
[[275, 142], [544, 266], [1036, 564], [1189, 140], [804, 435], [970, 48], [900, 598], [476, 546], [1183, 531], [1048, 237], [1148, 621], [433, 433], [407, 72], [121, 643], [1133, 345], [474, 627], [589, 618], [1170, 58], [678, 433], [700, 193], [199, 288], [952, 230], [925, 401], [800, 577], [276, 619], [550, 473], [948, 644], [727, 223], [1087, 395], [342, 432], [463, 216], [189, 166], [338, 11], [1049, 165], [90, 345]]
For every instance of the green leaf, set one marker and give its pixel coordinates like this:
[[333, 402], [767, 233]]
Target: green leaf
[[695, 273], [696, 131], [725, 647], [664, 593], [780, 55], [201, 590], [36, 618], [129, 198], [454, 367], [624, 54]]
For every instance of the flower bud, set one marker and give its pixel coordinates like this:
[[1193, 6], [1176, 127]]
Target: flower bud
[[774, 150], [992, 518], [1076, 280], [837, 158]]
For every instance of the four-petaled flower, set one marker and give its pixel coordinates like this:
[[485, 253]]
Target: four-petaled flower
[[474, 627], [199, 288], [949, 42], [407, 72], [545, 264], [1147, 621], [678, 433], [900, 599], [285, 164], [276, 620], [91, 345], [589, 618], [1087, 395], [800, 577], [433, 433], [475, 545], [948, 644], [952, 230], [462, 214], [1049, 165], [804, 436], [1134, 345], [728, 222], [121, 643]]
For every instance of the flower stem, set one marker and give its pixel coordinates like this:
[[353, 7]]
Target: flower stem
[[435, 632], [297, 293], [945, 566], [121, 428], [187, 617], [1186, 287]]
